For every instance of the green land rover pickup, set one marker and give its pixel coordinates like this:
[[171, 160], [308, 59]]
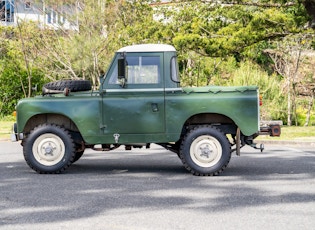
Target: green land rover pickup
[[139, 102]]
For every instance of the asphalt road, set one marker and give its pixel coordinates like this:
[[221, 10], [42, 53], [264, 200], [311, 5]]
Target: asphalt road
[[150, 189]]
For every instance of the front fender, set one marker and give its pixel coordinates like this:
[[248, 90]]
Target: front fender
[[82, 111]]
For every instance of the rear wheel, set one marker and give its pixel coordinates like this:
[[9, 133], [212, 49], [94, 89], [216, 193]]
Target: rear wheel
[[49, 149], [205, 151], [77, 156]]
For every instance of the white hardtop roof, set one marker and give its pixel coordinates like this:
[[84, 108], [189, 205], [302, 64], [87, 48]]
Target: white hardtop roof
[[147, 48]]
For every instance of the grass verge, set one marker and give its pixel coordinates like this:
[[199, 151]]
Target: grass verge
[[293, 133], [5, 129]]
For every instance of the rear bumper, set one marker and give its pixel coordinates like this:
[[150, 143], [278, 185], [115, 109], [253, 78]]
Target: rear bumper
[[271, 128]]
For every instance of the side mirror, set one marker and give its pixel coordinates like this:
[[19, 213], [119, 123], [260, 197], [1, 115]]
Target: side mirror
[[122, 71]]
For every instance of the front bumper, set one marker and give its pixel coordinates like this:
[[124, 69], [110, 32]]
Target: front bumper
[[15, 136]]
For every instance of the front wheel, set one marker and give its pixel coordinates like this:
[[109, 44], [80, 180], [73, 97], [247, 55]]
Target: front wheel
[[205, 151], [49, 149]]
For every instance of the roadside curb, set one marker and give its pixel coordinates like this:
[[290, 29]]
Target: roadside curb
[[5, 139], [287, 143]]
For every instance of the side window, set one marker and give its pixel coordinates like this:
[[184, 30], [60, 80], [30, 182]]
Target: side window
[[143, 70], [174, 70], [140, 70], [113, 80]]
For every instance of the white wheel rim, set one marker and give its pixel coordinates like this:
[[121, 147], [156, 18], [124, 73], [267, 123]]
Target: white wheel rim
[[48, 149], [205, 151]]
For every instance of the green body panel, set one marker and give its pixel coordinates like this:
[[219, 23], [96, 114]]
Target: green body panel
[[237, 103], [145, 116], [148, 112], [134, 112]]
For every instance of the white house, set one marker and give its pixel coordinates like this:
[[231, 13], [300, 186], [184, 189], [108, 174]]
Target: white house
[[53, 16], [15, 11]]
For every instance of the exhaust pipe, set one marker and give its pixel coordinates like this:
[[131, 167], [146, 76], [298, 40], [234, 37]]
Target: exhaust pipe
[[46, 91]]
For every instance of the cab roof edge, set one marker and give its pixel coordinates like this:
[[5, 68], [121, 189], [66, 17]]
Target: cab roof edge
[[148, 48]]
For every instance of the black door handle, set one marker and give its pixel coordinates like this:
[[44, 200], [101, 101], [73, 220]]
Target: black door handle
[[155, 107]]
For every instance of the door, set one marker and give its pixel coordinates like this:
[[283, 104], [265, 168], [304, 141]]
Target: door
[[138, 107]]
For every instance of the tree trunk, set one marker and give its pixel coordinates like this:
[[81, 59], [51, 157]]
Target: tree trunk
[[309, 109], [289, 107]]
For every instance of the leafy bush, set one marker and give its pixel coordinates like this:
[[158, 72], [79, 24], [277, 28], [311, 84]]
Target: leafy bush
[[14, 80], [14, 86]]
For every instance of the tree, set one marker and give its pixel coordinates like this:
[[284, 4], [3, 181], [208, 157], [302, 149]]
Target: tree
[[288, 57], [310, 9], [213, 38], [306, 85], [102, 27], [14, 75]]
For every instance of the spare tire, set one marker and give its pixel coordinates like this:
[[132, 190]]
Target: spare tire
[[72, 85]]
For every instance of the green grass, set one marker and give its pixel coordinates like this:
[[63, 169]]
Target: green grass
[[5, 129], [287, 133], [294, 133]]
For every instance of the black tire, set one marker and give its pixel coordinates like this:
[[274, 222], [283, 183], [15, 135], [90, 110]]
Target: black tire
[[49, 149], [205, 151], [72, 85], [77, 156]]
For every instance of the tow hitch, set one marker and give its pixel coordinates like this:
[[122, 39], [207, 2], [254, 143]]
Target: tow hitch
[[261, 147], [271, 128]]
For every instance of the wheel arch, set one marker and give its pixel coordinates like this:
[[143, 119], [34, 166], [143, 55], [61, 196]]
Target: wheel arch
[[52, 118], [223, 122]]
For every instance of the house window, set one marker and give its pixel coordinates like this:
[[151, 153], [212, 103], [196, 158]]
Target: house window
[[52, 17], [49, 17], [27, 5], [7, 10]]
